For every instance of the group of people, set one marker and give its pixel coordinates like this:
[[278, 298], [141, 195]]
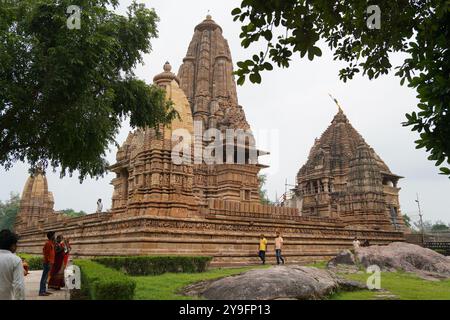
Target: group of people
[[13, 269], [56, 253], [262, 248]]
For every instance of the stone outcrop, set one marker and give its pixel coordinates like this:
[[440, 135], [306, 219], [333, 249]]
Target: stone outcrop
[[344, 257], [396, 256], [406, 257], [277, 283], [345, 178]]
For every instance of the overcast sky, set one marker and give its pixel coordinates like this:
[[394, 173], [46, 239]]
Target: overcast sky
[[291, 104]]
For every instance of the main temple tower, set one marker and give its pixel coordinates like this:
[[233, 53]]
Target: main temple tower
[[206, 76]]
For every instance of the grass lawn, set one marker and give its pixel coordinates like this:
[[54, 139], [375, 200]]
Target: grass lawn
[[406, 286], [166, 286], [401, 285], [318, 265]]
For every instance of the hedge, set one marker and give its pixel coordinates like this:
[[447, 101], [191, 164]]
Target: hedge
[[34, 262], [156, 265], [101, 283]]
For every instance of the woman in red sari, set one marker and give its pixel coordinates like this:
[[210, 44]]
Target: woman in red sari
[[67, 248], [56, 280]]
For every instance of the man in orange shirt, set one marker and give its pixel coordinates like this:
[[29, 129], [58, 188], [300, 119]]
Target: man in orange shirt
[[49, 259]]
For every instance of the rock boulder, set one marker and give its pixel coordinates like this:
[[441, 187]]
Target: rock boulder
[[345, 257], [406, 257], [282, 282]]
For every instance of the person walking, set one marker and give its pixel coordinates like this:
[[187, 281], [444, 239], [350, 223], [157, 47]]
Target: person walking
[[278, 248], [49, 259], [262, 249], [12, 283]]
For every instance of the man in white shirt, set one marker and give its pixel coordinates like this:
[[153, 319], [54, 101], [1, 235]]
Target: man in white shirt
[[99, 206], [356, 244], [12, 285], [278, 247]]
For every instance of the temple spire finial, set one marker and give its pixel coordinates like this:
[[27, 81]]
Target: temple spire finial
[[337, 103]]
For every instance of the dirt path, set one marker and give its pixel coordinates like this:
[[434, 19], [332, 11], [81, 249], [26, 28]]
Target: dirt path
[[32, 289], [385, 295]]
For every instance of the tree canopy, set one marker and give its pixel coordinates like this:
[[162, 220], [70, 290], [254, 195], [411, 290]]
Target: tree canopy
[[8, 212], [419, 29], [440, 226], [407, 221], [66, 84], [263, 197], [71, 213], [430, 226]]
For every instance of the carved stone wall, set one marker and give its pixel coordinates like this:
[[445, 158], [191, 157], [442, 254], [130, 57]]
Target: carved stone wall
[[230, 236]]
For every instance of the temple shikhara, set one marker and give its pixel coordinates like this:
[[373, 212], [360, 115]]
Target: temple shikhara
[[200, 208], [344, 178]]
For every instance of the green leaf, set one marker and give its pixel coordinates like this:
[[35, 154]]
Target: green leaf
[[236, 11], [255, 77], [268, 66], [317, 51]]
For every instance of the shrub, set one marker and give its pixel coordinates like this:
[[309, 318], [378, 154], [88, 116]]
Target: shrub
[[155, 265], [101, 283], [34, 262]]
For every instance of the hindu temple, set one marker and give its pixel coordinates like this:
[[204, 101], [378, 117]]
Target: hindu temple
[[192, 207], [346, 179]]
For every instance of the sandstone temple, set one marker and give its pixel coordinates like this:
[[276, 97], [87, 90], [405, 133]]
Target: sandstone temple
[[346, 179], [193, 207]]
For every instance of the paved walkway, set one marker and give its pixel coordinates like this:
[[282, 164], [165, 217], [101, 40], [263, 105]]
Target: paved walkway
[[32, 281]]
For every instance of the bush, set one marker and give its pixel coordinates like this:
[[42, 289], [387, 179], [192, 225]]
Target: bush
[[34, 262], [155, 265], [442, 251], [101, 283]]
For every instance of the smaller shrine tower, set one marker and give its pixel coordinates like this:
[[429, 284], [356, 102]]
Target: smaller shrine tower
[[36, 203], [345, 178], [148, 181]]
